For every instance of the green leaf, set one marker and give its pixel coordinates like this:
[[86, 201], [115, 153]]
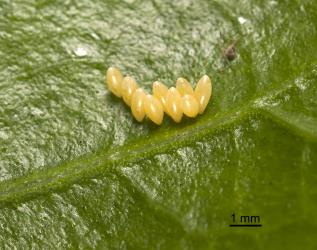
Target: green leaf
[[77, 171]]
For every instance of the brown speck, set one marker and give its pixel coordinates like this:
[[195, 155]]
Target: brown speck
[[230, 52]]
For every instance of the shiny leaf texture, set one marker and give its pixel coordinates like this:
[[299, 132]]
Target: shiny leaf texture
[[77, 171]]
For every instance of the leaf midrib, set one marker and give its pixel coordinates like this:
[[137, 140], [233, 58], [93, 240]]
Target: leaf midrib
[[76, 171]]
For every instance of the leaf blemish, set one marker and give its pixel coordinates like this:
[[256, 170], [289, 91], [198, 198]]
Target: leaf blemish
[[230, 52]]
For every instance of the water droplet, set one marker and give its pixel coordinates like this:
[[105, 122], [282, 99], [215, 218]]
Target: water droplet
[[80, 51], [241, 19]]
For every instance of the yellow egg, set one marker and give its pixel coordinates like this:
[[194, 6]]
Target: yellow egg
[[128, 86], [203, 93], [184, 87], [190, 106], [154, 109], [114, 80], [174, 104], [159, 91], [137, 104]]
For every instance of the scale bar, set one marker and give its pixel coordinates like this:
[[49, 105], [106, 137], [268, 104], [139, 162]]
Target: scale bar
[[245, 225]]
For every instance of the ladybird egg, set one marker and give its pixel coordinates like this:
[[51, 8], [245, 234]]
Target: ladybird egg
[[203, 93], [128, 86], [174, 104], [137, 104], [184, 87], [159, 91], [154, 109], [114, 80], [190, 106]]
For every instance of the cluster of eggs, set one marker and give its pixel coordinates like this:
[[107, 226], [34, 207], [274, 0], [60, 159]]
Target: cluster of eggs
[[173, 101]]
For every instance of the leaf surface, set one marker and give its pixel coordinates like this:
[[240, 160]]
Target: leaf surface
[[76, 171]]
